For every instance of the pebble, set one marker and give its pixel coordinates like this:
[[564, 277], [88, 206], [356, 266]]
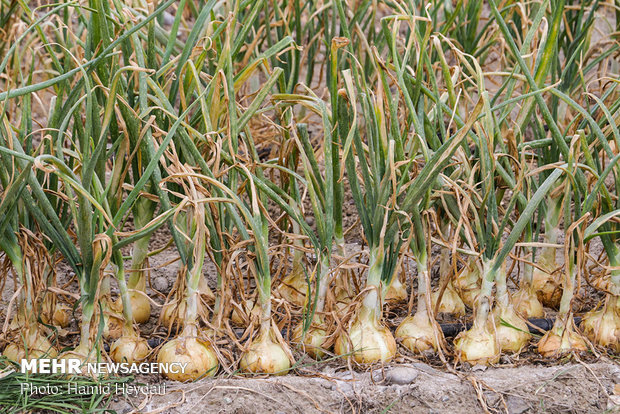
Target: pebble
[[168, 19], [396, 375], [516, 405], [227, 400], [160, 283]]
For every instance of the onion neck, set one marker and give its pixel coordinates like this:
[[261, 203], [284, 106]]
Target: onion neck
[[484, 299], [265, 322], [323, 280], [194, 276], [128, 328], [528, 272], [423, 285], [615, 273], [503, 299], [567, 291], [88, 310], [371, 304], [138, 261]]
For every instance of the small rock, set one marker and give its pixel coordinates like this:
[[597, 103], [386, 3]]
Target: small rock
[[160, 283], [479, 367], [227, 400], [168, 19], [516, 405], [402, 375], [445, 398]]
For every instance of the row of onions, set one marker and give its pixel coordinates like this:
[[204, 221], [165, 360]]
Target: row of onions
[[248, 133]]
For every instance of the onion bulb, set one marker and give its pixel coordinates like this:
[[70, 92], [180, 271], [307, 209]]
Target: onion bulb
[[188, 349], [416, 333], [130, 349], [367, 340], [251, 309], [61, 316], [478, 345], [397, 292], [546, 285], [84, 355], [559, 341], [526, 303], [451, 303], [603, 326], [32, 346], [342, 299], [173, 313], [293, 287], [140, 306], [113, 325], [510, 329], [205, 291], [313, 343], [467, 284], [55, 313], [265, 356]]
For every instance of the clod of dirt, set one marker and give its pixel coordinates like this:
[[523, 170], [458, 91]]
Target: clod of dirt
[[160, 283]]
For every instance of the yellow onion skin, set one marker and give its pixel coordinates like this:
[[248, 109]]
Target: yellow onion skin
[[467, 284], [129, 348], [509, 338], [205, 291], [199, 356], [554, 345], [85, 356], [397, 292], [368, 341], [113, 326], [60, 314], [36, 346], [602, 327], [416, 333], [251, 309], [265, 356], [477, 346], [314, 341], [548, 288], [140, 306], [526, 303], [293, 288], [451, 302], [343, 300], [172, 314]]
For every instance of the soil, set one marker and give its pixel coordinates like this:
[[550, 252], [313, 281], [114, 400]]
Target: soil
[[402, 388]]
